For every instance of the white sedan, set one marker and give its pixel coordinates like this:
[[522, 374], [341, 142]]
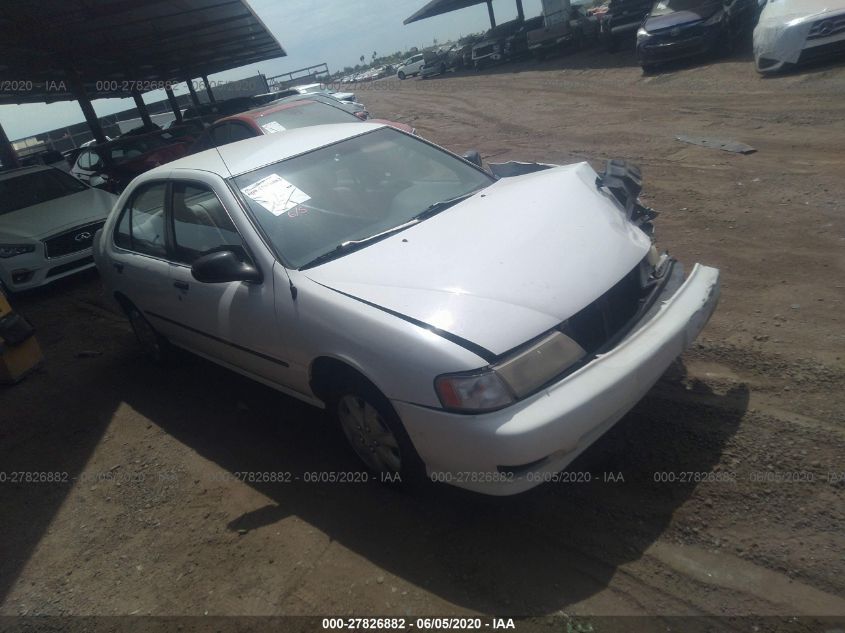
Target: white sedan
[[47, 223], [472, 328], [797, 31]]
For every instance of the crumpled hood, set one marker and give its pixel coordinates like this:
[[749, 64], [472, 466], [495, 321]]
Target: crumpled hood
[[781, 32], [54, 216], [503, 266]]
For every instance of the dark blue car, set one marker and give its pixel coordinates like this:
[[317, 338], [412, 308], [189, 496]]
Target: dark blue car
[[676, 29]]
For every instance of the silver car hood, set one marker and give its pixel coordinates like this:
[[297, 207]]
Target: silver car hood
[[55, 216], [503, 266]]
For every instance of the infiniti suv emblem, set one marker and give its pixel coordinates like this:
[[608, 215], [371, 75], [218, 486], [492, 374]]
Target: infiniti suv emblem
[[80, 237], [826, 27]]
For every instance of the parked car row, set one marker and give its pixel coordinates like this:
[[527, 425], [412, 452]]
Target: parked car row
[[785, 33]]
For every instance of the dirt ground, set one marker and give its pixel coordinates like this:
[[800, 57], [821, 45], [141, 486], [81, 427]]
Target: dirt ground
[[155, 519]]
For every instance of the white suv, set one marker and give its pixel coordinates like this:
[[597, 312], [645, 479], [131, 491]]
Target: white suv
[[411, 66]]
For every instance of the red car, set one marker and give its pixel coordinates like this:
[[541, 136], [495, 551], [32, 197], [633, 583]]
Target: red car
[[278, 118], [112, 165]]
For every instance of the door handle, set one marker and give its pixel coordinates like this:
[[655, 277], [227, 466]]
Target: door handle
[[182, 285], [118, 266]]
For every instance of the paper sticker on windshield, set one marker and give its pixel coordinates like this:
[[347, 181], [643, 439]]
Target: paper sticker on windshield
[[272, 127], [276, 194]]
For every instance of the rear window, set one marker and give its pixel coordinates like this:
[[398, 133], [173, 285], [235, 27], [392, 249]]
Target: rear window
[[28, 190], [303, 115]]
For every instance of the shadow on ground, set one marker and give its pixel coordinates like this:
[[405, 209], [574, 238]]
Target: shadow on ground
[[531, 554]]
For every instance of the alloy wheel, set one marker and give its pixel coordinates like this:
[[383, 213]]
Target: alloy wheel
[[369, 434]]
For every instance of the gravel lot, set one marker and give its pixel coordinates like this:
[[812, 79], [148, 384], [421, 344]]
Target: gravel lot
[[154, 517]]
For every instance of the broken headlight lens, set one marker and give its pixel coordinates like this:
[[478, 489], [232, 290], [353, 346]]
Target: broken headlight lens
[[13, 250], [515, 377], [533, 367]]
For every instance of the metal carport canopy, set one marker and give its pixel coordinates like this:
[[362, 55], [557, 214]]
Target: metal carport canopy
[[439, 7], [122, 44]]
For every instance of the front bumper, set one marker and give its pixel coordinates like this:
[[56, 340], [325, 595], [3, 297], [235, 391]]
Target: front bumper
[[508, 451], [777, 45], [661, 49], [33, 270]]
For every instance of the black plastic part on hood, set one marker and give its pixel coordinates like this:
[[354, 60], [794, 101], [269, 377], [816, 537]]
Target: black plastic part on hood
[[625, 182]]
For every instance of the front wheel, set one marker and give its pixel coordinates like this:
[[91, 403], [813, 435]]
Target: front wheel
[[153, 344], [375, 433], [401, 76]]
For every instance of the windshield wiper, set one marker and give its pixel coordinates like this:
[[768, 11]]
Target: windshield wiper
[[352, 245], [437, 207]]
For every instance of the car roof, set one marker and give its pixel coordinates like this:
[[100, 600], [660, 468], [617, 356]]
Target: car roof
[[240, 157], [8, 174]]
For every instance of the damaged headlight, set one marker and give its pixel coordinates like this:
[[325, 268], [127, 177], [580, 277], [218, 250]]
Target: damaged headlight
[[510, 379]]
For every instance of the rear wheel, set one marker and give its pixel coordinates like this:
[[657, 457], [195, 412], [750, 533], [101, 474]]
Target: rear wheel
[[153, 344], [375, 432], [401, 75]]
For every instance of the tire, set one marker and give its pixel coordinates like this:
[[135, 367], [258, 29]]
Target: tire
[[153, 344], [648, 69], [374, 432], [612, 44], [401, 75]]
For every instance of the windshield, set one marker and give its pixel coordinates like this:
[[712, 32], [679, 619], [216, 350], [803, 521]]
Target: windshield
[[310, 204], [303, 115], [33, 188]]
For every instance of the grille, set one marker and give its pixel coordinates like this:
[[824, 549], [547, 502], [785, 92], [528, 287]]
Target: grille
[[609, 316], [827, 28], [678, 32], [73, 241]]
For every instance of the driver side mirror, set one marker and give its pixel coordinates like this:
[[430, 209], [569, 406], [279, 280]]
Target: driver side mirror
[[223, 266], [472, 156]]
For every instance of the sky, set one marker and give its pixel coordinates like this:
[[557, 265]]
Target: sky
[[337, 32]]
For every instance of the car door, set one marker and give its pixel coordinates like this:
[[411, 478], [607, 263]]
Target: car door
[[140, 269], [233, 322]]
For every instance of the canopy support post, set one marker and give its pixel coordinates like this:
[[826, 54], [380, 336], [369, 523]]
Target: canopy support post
[[174, 105], [142, 109], [78, 90], [8, 155], [211, 98]]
